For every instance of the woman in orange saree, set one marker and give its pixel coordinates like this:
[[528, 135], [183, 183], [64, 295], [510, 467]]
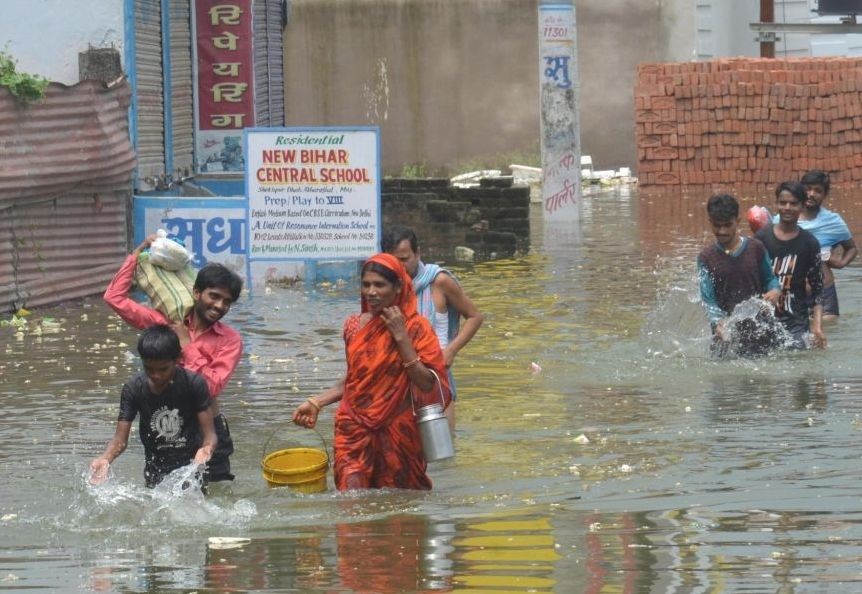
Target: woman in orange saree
[[391, 350]]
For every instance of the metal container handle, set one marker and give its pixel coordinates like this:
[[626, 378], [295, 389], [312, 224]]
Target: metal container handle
[[288, 423], [439, 388]]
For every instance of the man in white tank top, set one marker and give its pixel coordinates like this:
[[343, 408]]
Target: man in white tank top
[[441, 300]]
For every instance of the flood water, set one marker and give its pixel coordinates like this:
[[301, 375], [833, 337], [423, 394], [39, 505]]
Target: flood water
[[631, 462]]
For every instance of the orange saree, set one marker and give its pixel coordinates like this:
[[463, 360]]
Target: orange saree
[[377, 441]]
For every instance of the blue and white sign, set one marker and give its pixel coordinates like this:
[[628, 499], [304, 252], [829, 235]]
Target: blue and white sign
[[213, 229]]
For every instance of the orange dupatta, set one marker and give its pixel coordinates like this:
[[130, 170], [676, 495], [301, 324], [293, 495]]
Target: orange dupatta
[[377, 385]]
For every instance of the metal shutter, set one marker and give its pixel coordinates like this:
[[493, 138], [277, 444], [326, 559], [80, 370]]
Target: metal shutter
[[182, 108], [149, 90], [269, 62]]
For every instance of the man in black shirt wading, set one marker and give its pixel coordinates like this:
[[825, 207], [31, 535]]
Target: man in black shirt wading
[[796, 262]]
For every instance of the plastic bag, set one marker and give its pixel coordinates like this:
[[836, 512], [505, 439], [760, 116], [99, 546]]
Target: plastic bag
[[167, 253], [758, 217]]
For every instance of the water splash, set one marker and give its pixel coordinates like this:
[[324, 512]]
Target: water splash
[[676, 327], [178, 500], [753, 331]]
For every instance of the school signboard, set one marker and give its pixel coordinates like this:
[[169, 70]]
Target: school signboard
[[313, 193]]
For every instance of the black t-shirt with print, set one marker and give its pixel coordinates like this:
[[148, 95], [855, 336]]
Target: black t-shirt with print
[[168, 424], [794, 262]]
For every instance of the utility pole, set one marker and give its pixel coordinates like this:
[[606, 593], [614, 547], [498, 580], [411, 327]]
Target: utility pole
[[558, 103], [767, 15]]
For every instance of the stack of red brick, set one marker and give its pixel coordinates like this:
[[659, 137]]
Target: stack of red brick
[[747, 121]]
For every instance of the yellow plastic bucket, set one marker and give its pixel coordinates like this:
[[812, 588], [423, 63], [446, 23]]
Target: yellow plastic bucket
[[302, 469]]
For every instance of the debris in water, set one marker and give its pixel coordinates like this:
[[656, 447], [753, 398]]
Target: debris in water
[[535, 367], [464, 254], [582, 439], [7, 517], [227, 542], [625, 468]]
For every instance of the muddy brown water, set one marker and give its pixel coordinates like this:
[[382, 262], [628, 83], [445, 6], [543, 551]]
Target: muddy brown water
[[630, 463]]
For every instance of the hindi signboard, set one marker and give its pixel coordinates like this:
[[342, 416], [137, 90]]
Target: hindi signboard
[[225, 82], [313, 193]]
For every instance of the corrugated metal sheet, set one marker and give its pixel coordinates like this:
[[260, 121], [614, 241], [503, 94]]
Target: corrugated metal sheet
[[269, 62], [66, 165], [182, 107], [78, 135], [150, 93], [62, 249]]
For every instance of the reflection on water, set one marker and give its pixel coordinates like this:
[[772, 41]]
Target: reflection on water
[[632, 462]]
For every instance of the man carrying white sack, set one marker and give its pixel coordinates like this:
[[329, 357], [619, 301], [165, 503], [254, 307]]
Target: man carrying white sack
[[210, 348]]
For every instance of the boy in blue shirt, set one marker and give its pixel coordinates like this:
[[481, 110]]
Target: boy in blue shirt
[[831, 232]]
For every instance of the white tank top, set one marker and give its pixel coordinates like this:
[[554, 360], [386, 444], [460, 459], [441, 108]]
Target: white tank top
[[441, 327]]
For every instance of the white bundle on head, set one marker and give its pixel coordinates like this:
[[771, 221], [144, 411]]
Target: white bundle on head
[[167, 253]]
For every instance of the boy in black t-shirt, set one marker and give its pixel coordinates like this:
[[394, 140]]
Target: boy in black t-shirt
[[176, 425], [796, 262]]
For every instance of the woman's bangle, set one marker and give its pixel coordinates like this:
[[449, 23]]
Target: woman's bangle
[[313, 403], [412, 363]]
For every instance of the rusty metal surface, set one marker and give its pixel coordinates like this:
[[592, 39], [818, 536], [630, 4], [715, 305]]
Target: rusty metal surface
[[61, 249], [66, 165], [77, 135]]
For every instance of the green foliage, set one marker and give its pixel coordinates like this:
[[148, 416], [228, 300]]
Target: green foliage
[[26, 87], [413, 171]]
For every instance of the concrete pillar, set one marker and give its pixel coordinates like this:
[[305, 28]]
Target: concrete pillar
[[560, 127]]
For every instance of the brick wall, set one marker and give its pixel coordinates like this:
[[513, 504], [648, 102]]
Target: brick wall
[[493, 219], [748, 121]]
